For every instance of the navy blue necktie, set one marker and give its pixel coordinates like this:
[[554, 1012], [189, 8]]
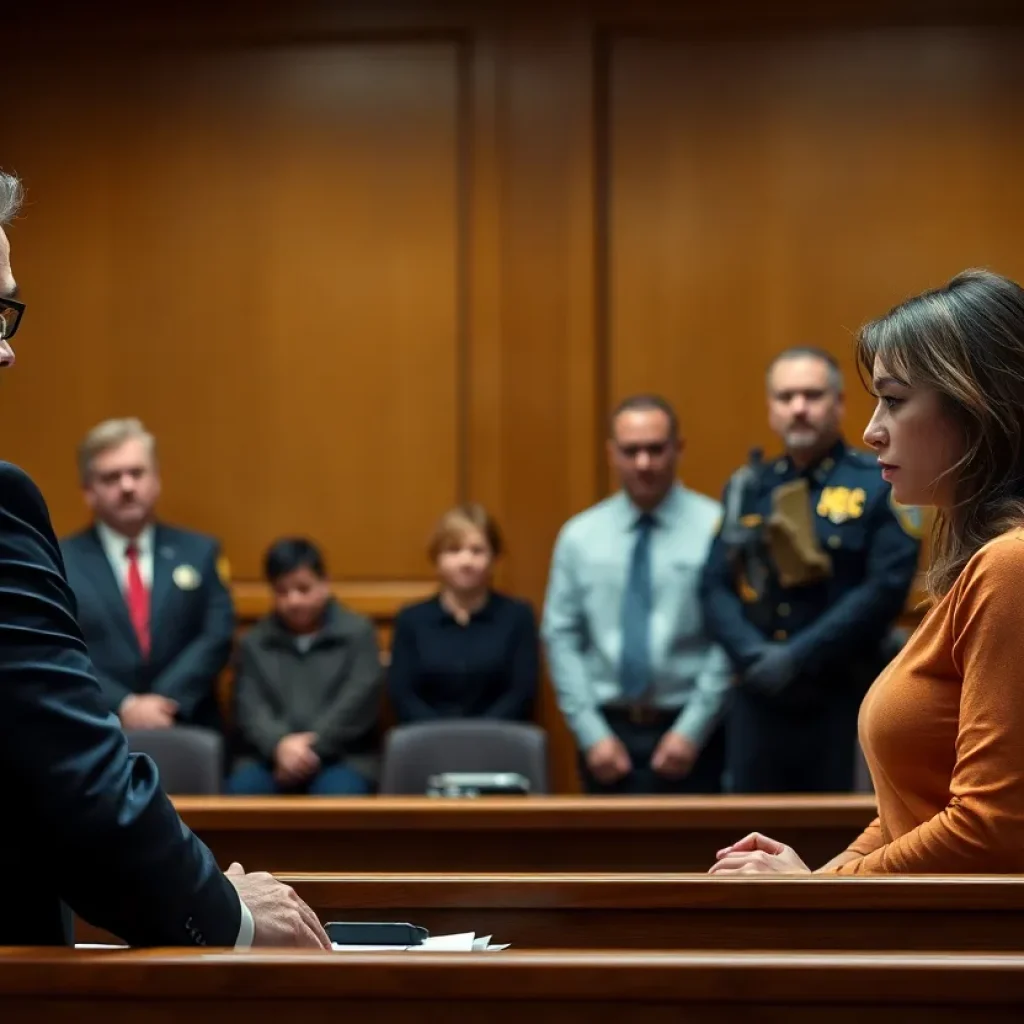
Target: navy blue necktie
[[635, 669]]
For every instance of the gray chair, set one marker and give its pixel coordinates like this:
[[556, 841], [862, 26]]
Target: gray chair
[[412, 753], [190, 759]]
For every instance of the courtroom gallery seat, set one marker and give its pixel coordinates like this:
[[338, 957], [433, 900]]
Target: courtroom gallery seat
[[412, 753], [190, 759]]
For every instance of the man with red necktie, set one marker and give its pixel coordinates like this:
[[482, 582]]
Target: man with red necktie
[[152, 600]]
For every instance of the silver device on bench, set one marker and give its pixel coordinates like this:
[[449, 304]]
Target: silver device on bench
[[470, 784]]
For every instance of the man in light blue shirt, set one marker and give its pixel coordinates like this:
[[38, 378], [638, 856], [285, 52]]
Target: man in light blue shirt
[[639, 682]]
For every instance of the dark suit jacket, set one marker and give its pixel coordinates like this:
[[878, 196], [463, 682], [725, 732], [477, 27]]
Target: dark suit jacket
[[334, 689], [85, 822], [191, 630]]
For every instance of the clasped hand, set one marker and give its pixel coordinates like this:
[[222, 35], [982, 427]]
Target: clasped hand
[[674, 757], [758, 855], [295, 760], [773, 669]]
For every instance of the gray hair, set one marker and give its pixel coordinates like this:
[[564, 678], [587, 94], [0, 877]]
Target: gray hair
[[111, 434], [12, 194], [835, 375]]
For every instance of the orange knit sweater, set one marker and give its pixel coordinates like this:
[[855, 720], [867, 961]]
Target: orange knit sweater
[[943, 732]]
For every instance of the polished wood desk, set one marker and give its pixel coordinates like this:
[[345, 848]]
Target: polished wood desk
[[681, 912], [208, 987], [512, 834], [688, 913]]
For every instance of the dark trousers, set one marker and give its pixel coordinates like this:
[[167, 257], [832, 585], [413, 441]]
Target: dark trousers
[[641, 741], [772, 748], [254, 779]]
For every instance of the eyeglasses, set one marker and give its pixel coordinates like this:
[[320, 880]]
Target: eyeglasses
[[11, 312]]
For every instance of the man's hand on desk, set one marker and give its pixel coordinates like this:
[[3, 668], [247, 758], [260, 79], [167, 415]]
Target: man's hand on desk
[[675, 756], [147, 711], [608, 760], [279, 916], [294, 759]]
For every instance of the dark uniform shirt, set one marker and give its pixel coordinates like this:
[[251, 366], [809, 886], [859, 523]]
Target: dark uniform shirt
[[834, 623]]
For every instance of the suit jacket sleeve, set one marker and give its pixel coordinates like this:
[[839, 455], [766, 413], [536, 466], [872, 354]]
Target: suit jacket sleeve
[[191, 677], [122, 858], [257, 715], [355, 708], [114, 693]]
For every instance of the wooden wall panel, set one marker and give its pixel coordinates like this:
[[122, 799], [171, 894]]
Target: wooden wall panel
[[768, 190], [271, 243], [356, 261]]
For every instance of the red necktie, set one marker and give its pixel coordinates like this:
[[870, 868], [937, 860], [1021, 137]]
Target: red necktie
[[138, 600]]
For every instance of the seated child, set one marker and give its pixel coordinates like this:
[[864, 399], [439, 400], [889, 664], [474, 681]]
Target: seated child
[[308, 687]]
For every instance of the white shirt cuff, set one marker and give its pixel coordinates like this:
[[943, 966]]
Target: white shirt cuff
[[246, 928]]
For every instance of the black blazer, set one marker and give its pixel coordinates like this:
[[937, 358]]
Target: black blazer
[[191, 629], [86, 822], [485, 669]]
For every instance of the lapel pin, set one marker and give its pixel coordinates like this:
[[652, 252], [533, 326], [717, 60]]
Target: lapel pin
[[186, 577]]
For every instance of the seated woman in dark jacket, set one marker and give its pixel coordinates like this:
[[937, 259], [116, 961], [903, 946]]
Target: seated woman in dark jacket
[[308, 687], [469, 652]]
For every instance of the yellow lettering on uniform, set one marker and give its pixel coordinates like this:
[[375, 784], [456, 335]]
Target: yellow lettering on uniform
[[825, 501], [855, 503]]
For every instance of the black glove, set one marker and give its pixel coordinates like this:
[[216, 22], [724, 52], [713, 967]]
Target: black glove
[[773, 671]]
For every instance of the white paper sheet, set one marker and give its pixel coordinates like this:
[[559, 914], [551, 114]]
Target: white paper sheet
[[463, 942]]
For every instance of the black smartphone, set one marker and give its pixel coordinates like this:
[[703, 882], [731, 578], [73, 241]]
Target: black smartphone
[[375, 933]]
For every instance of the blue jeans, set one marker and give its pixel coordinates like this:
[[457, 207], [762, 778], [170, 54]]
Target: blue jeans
[[252, 779]]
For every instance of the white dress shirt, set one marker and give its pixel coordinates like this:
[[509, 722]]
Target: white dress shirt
[[115, 547]]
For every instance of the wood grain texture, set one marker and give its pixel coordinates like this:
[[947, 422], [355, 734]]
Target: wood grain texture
[[677, 912], [766, 190], [272, 287], [550, 986], [533, 834]]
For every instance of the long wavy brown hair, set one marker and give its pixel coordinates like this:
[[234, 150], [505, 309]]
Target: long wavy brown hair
[[965, 340]]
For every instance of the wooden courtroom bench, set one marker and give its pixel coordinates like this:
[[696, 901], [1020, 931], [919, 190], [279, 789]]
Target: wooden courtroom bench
[[210, 987], [416, 834], [688, 912]]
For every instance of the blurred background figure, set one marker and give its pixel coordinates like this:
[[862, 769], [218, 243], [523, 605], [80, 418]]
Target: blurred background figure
[[808, 574], [152, 599], [470, 651], [308, 687], [641, 685]]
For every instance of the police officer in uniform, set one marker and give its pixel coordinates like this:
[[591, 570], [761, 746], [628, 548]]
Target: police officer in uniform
[[811, 567]]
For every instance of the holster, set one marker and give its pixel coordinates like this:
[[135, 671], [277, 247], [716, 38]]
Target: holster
[[791, 538]]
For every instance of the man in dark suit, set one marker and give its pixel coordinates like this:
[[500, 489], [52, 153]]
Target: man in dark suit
[[152, 600], [87, 825]]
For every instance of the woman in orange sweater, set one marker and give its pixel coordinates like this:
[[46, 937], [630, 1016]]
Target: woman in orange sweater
[[943, 726]]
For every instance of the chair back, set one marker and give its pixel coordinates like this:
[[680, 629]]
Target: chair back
[[412, 753], [190, 759]]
